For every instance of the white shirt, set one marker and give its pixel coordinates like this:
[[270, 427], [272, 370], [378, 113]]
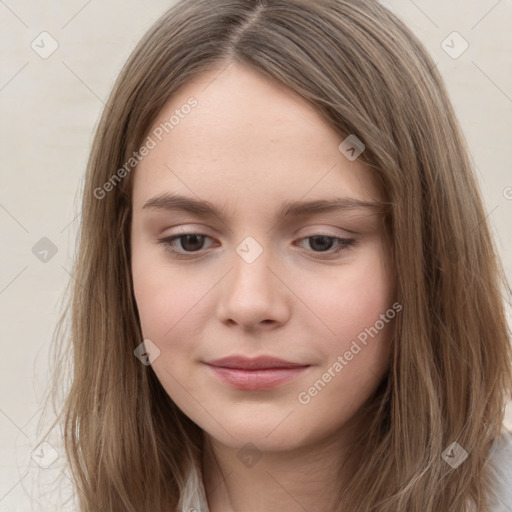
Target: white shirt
[[500, 458]]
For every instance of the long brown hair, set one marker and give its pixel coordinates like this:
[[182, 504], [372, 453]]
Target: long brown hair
[[128, 445]]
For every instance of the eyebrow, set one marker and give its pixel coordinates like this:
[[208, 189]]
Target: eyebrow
[[179, 202]]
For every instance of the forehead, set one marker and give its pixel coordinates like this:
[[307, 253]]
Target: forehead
[[248, 140]]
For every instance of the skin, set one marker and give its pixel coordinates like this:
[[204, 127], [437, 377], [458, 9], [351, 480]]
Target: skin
[[248, 146]]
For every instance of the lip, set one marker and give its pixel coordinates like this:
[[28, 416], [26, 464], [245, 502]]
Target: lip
[[255, 374], [254, 363]]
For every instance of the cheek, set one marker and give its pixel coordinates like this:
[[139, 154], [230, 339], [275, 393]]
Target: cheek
[[169, 312], [166, 298], [355, 308], [351, 299]]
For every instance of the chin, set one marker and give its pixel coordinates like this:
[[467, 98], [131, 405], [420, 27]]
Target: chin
[[269, 435]]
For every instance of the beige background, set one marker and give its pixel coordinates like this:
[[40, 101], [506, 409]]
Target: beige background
[[49, 109]]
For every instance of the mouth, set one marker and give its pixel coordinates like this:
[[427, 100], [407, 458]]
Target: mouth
[[256, 374]]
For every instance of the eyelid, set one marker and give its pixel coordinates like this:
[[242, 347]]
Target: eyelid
[[318, 231]]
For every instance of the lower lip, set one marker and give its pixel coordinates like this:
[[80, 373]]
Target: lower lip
[[256, 380]]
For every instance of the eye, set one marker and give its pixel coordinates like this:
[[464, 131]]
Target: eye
[[190, 243], [193, 243], [324, 243]]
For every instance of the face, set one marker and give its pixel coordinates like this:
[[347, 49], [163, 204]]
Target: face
[[233, 277]]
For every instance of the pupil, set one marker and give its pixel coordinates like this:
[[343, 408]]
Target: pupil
[[193, 238], [325, 242]]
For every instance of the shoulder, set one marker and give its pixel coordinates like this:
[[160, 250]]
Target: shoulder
[[500, 460]]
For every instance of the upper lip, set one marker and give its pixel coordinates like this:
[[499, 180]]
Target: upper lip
[[256, 363]]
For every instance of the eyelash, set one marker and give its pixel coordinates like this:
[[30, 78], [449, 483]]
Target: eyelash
[[345, 244]]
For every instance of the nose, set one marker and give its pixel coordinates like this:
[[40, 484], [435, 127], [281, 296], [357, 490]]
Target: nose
[[253, 294]]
